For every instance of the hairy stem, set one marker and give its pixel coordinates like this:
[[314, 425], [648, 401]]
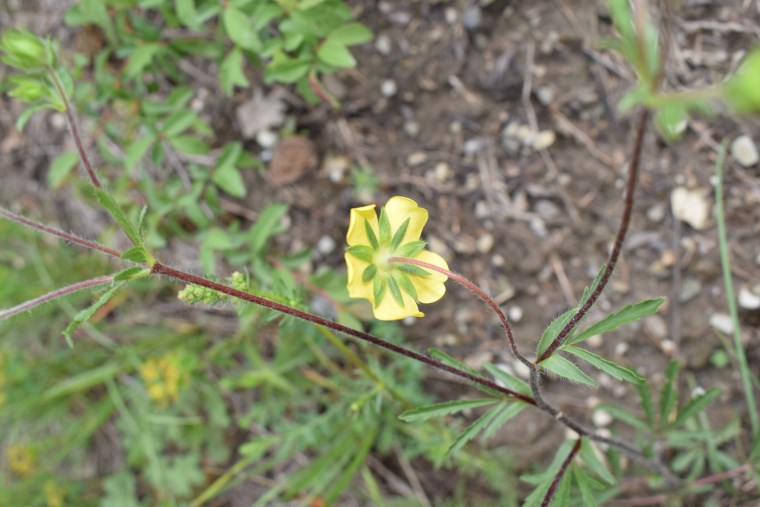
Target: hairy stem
[[71, 120], [161, 269], [560, 473], [482, 295], [625, 220], [63, 291], [57, 232]]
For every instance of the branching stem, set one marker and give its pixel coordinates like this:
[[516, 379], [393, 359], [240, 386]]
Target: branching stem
[[63, 291]]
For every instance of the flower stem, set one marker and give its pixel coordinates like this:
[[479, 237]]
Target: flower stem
[[56, 232], [63, 291], [482, 295], [625, 220], [162, 269], [560, 473]]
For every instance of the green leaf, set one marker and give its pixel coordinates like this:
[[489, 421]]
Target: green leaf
[[228, 178], [395, 291], [507, 380], [239, 28], [565, 368], [412, 269], [336, 54], [350, 34], [23, 50], [178, 122], [231, 72], [135, 151], [340, 484], [552, 330], [612, 369], [646, 403], [385, 228], [406, 284], [369, 273], [108, 202], [398, 236], [412, 249], [508, 411], [140, 58], [442, 409], [139, 255], [584, 485], [630, 313], [362, 252], [378, 288], [592, 461], [472, 430], [187, 13], [61, 167], [544, 480], [132, 274], [27, 113], [695, 406], [371, 235], [87, 313], [624, 415], [82, 381], [189, 145], [450, 361], [668, 396], [741, 90], [266, 226], [284, 69]]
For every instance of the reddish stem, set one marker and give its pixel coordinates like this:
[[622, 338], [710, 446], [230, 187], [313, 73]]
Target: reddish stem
[[560, 473], [476, 290], [55, 232], [63, 291], [625, 220], [161, 269]]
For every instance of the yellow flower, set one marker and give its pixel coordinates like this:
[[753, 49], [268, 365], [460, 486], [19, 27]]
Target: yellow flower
[[373, 242], [54, 494], [21, 460], [163, 378]]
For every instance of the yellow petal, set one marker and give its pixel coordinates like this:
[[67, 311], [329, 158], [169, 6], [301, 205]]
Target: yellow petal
[[357, 232], [399, 209], [430, 288], [389, 309], [356, 287]]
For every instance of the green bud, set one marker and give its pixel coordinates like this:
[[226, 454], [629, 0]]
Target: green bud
[[23, 50], [197, 295], [742, 90], [27, 89]]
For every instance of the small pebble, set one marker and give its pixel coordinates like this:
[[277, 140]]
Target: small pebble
[[697, 392], [691, 206], [451, 15], [471, 17], [656, 213], [335, 166], [438, 246], [656, 326], [545, 95], [595, 341], [515, 314], [748, 299], [266, 139], [388, 88], [544, 139], [722, 323], [58, 121], [668, 347], [442, 171], [485, 243], [620, 349], [743, 149], [326, 245], [547, 210], [521, 370], [690, 289], [416, 158], [412, 128], [601, 418], [383, 45]]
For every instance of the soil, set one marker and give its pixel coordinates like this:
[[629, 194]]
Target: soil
[[531, 227]]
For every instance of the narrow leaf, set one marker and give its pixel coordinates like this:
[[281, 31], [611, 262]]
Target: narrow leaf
[[139, 255], [398, 236], [385, 228], [607, 366], [108, 202], [379, 288], [131, 274], [630, 313], [411, 249], [472, 430], [361, 252], [623, 415], [371, 235], [592, 461], [395, 291], [584, 485], [450, 361], [508, 411], [87, 313], [412, 269], [645, 394], [567, 369], [441, 409], [369, 273], [406, 284], [695, 406], [509, 381], [552, 330], [668, 394]]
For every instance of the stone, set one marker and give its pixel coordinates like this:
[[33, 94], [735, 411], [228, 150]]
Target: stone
[[722, 322], [748, 300], [691, 206], [485, 243], [388, 88], [326, 245], [743, 149], [544, 139]]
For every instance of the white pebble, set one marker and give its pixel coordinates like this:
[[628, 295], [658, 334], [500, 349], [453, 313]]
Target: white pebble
[[266, 139], [697, 392], [515, 314], [58, 121], [748, 299], [383, 45], [544, 139], [451, 15], [388, 88], [602, 418], [620, 349], [691, 206], [326, 245], [722, 323], [521, 370], [743, 149], [485, 243], [442, 171]]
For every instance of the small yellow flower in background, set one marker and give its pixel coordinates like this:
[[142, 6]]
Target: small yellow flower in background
[[164, 377], [21, 460], [54, 494], [394, 289]]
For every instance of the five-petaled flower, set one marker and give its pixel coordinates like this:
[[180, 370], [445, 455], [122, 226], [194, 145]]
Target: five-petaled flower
[[393, 288]]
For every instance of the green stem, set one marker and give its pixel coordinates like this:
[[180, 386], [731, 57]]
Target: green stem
[[725, 263]]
